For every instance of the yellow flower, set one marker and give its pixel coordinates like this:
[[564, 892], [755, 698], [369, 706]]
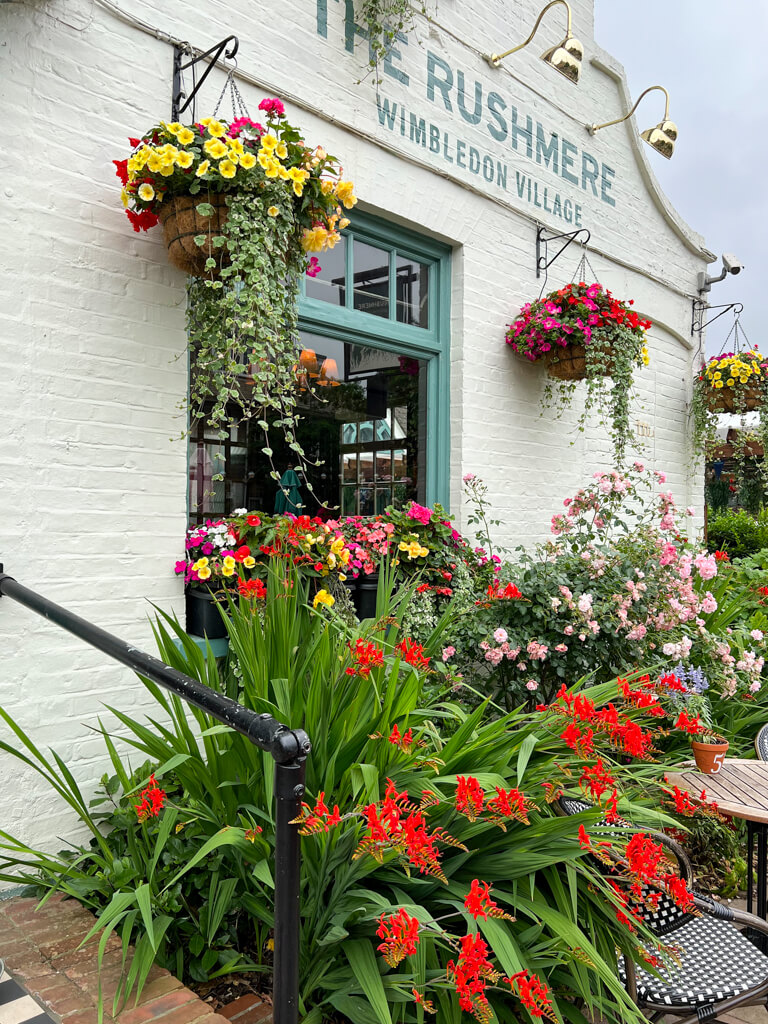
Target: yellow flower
[[236, 145], [153, 162], [268, 142], [323, 597], [249, 561], [174, 127], [146, 192], [203, 168], [273, 211], [204, 573], [201, 563], [185, 136], [229, 562], [332, 239], [227, 571], [125, 197], [331, 560], [314, 239], [227, 169], [272, 169], [247, 161], [184, 160], [326, 187], [284, 173], [343, 223], [264, 160], [281, 150], [345, 194], [718, 384], [215, 148], [717, 375], [205, 121], [744, 380], [337, 546], [166, 170], [215, 128], [730, 382]]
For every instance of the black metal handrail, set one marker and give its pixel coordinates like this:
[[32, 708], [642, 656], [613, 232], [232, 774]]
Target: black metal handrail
[[289, 748]]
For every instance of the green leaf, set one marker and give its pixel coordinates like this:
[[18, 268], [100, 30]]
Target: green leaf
[[361, 959], [205, 210]]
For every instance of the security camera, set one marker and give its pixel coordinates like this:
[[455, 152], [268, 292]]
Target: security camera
[[731, 264]]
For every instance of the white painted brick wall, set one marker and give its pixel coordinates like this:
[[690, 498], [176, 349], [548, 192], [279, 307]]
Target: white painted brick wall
[[93, 476]]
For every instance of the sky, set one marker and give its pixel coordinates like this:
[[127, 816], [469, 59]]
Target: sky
[[711, 58]]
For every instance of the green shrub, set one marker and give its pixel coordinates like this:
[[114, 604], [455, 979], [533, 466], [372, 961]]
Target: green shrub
[[739, 533]]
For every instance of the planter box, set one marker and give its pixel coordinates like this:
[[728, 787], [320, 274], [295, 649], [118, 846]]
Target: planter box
[[203, 615]]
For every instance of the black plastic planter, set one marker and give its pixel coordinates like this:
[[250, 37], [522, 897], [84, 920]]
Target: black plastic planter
[[203, 615]]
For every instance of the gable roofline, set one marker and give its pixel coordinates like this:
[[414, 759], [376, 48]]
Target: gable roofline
[[613, 69]]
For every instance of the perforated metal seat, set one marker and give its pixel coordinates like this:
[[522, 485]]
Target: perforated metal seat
[[761, 743]]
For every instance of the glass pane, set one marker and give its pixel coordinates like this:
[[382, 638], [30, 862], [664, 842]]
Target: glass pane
[[349, 469], [383, 467], [329, 285], [400, 495], [367, 501], [399, 463], [383, 431], [383, 498], [237, 459], [366, 432], [349, 501], [366, 466], [349, 433], [412, 291], [400, 422], [371, 279]]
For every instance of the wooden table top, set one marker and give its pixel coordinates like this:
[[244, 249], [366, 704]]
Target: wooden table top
[[740, 788]]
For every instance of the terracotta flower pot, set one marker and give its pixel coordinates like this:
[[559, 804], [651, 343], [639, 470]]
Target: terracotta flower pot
[[709, 756], [182, 224]]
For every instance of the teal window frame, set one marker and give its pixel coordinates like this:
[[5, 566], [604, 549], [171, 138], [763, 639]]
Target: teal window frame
[[431, 343]]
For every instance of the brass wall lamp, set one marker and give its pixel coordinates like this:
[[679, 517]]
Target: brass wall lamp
[[566, 57], [662, 138]]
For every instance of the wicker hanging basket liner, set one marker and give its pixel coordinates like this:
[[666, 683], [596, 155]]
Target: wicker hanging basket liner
[[569, 363], [723, 400], [182, 224]]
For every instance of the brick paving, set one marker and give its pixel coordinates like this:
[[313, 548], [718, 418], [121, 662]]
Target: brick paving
[[43, 953]]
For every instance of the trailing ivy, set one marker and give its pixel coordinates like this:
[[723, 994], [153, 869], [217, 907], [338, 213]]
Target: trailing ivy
[[384, 21]]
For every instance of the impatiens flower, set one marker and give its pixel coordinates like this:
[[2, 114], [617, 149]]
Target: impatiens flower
[[313, 268]]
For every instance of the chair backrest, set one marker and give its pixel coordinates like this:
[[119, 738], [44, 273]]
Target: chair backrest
[[761, 743], [667, 916]]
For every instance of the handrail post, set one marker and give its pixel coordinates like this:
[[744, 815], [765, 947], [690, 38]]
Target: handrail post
[[289, 789]]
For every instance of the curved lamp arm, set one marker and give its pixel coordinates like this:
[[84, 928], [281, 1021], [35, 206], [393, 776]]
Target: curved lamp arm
[[592, 128], [496, 58]]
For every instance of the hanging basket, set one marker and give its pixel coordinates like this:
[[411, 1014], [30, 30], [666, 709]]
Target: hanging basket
[[724, 400], [182, 223], [570, 363]]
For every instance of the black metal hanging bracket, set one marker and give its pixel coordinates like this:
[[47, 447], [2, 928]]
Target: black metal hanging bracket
[[543, 238], [179, 52], [700, 310]]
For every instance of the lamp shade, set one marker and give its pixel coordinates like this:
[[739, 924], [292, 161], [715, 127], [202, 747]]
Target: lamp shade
[[329, 373], [566, 58], [308, 361], [662, 138]]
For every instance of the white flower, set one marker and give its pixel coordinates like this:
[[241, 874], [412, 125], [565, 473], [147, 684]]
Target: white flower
[[240, 512]]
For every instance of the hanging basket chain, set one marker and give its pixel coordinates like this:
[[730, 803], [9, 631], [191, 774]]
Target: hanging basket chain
[[239, 108], [580, 273]]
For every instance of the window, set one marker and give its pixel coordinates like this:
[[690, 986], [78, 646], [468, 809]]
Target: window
[[372, 376]]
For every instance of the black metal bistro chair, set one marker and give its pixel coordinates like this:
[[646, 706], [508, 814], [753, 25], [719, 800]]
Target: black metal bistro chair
[[761, 744], [717, 969]]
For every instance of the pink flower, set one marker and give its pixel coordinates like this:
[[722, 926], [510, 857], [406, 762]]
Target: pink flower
[[757, 634], [420, 513], [314, 267], [272, 106], [754, 687], [468, 478], [448, 652], [562, 648], [531, 685], [500, 635]]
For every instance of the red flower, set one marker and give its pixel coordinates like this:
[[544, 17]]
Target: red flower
[[479, 903], [241, 553], [533, 994], [253, 520], [142, 221], [643, 856], [400, 934], [252, 588], [470, 974], [412, 653], [690, 725], [470, 797], [427, 1005], [404, 742], [596, 780], [122, 170], [365, 656], [722, 556], [152, 801], [509, 803]]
